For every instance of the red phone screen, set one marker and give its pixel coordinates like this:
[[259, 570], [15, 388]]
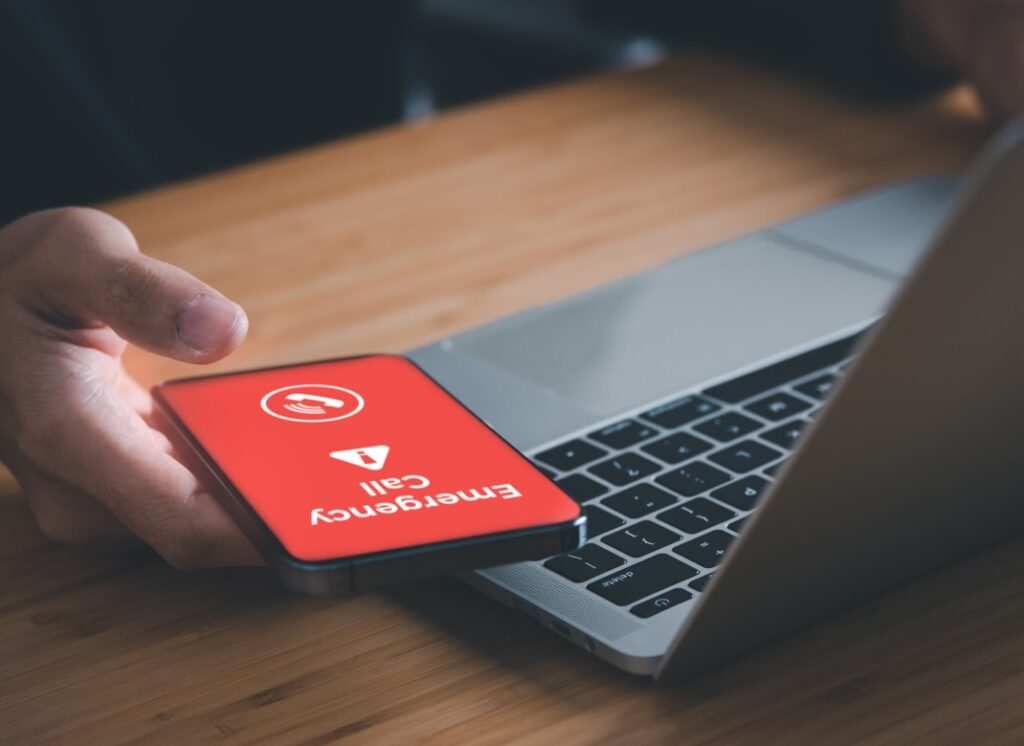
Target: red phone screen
[[350, 457]]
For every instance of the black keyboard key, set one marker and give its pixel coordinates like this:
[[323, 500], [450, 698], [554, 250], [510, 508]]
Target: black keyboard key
[[677, 413], [581, 488], [666, 600], [772, 376], [818, 388], [693, 479], [569, 455], [623, 434], [771, 470], [737, 525], [641, 538], [600, 521], [778, 406], [639, 500], [696, 515], [677, 447], [642, 579], [745, 456], [728, 426], [785, 435], [707, 550], [701, 583], [625, 468], [741, 494], [584, 563]]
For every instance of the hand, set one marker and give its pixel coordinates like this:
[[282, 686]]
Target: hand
[[983, 40], [75, 429]]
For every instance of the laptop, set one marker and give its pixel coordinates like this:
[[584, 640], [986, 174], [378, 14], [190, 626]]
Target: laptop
[[772, 429]]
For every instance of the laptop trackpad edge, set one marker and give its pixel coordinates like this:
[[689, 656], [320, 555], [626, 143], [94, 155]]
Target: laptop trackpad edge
[[694, 319]]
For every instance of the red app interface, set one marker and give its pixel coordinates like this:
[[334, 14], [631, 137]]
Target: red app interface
[[357, 456]]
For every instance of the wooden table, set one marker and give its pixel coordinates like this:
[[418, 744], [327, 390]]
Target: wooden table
[[388, 240]]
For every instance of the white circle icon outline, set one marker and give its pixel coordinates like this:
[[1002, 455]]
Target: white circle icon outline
[[300, 408]]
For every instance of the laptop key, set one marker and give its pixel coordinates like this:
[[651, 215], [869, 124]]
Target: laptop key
[[696, 515], [693, 478], [641, 538], [639, 500], [818, 388], [677, 447], [745, 456], [707, 550], [701, 583], [785, 435], [623, 434], [581, 488], [600, 521], [677, 413], [741, 494], [778, 406], [648, 576], [666, 600], [625, 468], [571, 454], [737, 525], [584, 563], [728, 426]]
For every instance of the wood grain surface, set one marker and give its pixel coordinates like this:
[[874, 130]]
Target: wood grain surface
[[391, 239]]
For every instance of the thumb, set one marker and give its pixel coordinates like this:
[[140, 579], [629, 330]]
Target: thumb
[[96, 273]]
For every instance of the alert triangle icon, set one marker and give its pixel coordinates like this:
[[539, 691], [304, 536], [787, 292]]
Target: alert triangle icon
[[367, 457]]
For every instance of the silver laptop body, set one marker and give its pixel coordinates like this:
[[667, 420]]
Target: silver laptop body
[[911, 460]]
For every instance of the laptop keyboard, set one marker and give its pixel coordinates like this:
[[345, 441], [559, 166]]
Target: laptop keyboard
[[666, 492]]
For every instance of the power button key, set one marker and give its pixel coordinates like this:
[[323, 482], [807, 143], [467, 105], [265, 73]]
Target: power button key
[[662, 601]]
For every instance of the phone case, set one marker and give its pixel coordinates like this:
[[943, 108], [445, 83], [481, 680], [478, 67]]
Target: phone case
[[355, 473]]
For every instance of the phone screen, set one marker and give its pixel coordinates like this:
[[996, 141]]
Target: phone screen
[[362, 455]]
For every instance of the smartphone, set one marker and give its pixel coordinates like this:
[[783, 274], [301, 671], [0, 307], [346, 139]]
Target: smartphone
[[360, 472]]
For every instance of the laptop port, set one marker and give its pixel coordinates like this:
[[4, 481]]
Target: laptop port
[[561, 629]]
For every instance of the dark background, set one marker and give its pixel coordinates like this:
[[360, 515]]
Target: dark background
[[107, 97]]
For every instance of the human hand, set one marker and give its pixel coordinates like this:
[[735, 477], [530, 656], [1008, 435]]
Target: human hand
[[983, 40], [75, 428]]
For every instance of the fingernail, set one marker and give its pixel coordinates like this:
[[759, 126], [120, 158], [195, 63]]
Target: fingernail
[[208, 322]]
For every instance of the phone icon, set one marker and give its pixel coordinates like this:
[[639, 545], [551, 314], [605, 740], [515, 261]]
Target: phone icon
[[297, 403], [315, 402]]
